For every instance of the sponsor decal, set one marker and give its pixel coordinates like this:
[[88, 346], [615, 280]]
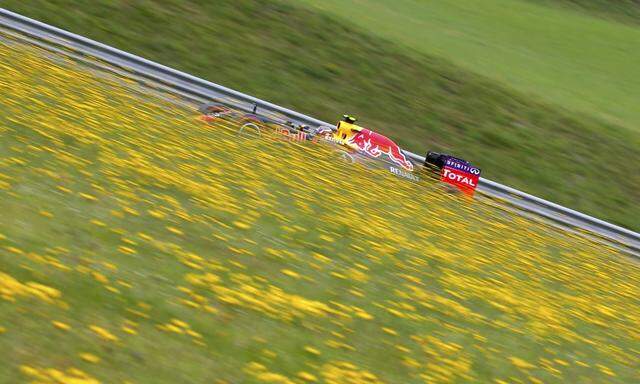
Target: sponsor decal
[[332, 139], [403, 173], [208, 118], [286, 135], [461, 165], [375, 144], [465, 181]]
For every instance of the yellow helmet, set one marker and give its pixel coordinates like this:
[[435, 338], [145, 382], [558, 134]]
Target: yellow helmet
[[346, 129], [349, 119]]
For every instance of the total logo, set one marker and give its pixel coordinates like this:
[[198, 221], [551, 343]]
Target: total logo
[[459, 178], [464, 181]]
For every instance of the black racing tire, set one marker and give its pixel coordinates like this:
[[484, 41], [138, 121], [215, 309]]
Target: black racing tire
[[250, 130], [346, 157]]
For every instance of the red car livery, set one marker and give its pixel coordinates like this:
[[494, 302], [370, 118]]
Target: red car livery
[[455, 171], [369, 142], [375, 145]]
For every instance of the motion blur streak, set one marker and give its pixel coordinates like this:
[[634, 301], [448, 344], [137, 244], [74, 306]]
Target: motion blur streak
[[140, 244]]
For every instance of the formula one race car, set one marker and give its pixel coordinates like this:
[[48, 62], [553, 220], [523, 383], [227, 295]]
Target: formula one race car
[[451, 170], [357, 144]]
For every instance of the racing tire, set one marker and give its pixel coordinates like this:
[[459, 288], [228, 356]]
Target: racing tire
[[347, 157], [250, 130]]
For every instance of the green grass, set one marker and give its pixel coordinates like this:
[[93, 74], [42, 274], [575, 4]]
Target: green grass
[[312, 63], [627, 11], [569, 59], [138, 215]]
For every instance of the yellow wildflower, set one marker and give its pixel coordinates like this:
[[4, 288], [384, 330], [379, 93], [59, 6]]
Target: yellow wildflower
[[90, 358], [103, 333], [61, 325]]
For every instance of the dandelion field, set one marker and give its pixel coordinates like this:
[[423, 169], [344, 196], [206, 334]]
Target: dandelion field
[[141, 245]]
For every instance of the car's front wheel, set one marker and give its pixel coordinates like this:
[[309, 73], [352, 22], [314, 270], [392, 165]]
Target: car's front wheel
[[250, 130]]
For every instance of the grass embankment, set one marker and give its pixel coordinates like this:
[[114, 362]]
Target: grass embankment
[[313, 63], [627, 11], [138, 244], [566, 58]]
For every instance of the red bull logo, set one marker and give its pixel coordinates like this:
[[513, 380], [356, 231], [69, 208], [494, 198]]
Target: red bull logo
[[375, 144]]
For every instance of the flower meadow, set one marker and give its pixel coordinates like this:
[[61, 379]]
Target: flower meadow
[[139, 244]]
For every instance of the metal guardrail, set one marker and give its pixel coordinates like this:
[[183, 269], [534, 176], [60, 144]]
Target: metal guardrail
[[184, 83]]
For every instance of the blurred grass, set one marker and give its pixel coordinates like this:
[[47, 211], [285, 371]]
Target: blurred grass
[[312, 63], [138, 244], [627, 11], [566, 58]]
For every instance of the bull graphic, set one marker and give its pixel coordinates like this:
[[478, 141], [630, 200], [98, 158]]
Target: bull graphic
[[375, 144]]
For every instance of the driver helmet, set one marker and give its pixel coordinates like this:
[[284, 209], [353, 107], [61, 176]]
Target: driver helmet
[[349, 119]]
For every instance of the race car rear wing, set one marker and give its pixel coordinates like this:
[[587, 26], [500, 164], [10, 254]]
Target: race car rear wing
[[455, 171]]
